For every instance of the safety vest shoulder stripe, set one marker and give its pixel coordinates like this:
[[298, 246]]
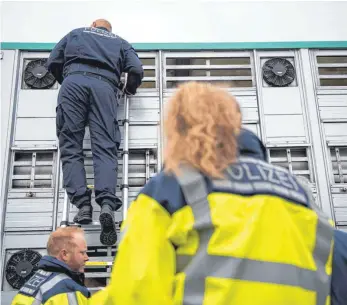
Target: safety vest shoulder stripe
[[47, 287], [71, 296], [195, 192], [51, 283]]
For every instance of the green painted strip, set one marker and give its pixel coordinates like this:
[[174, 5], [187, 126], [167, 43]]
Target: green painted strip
[[196, 45]]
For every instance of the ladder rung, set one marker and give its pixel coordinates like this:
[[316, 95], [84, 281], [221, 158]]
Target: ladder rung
[[96, 225], [92, 224], [95, 289], [97, 274], [100, 259], [98, 264]]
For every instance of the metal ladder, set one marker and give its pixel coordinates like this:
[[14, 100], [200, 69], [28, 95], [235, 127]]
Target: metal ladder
[[108, 261]]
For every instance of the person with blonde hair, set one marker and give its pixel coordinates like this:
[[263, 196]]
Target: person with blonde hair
[[59, 279], [215, 227]]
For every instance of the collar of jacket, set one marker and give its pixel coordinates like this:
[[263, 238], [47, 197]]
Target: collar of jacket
[[102, 28], [250, 145], [52, 264]]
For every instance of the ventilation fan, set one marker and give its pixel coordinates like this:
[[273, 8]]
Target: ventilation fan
[[278, 72], [36, 76], [21, 266]]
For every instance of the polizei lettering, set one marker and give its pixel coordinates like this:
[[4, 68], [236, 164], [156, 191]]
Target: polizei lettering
[[254, 177], [256, 172], [99, 32]]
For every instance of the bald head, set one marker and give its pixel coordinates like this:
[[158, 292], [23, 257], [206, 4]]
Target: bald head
[[69, 246], [102, 23], [62, 238]]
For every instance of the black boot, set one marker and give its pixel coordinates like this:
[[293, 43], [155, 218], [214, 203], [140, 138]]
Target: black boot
[[84, 215], [108, 236]]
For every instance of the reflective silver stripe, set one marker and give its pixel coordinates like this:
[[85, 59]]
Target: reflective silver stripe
[[227, 267], [51, 283], [71, 296], [195, 193], [182, 261], [324, 236], [200, 266]]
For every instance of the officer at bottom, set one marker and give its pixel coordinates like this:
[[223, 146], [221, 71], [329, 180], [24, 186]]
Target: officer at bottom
[[214, 228], [59, 279], [88, 63]]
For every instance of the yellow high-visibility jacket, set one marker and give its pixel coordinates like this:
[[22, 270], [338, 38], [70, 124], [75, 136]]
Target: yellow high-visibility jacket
[[251, 239], [53, 284]]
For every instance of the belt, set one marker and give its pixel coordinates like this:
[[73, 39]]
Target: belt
[[98, 76]]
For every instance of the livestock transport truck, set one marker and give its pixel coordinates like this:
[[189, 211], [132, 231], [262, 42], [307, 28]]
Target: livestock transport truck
[[286, 63]]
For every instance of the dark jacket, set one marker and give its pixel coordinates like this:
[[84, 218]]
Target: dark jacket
[[96, 51], [54, 283]]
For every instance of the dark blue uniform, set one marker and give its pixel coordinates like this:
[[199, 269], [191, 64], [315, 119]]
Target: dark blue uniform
[[88, 63]]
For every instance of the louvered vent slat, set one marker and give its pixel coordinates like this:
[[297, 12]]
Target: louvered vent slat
[[32, 170], [226, 69], [332, 70], [296, 160]]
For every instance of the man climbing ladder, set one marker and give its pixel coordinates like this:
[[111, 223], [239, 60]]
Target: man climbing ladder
[[125, 183], [88, 63]]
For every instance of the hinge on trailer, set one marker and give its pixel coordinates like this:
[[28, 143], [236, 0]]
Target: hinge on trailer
[[1, 55]]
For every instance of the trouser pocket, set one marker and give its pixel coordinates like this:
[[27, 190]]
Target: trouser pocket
[[59, 122], [117, 135]]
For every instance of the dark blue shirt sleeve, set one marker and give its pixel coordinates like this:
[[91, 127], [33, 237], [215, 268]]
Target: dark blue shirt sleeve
[[56, 60], [133, 66]]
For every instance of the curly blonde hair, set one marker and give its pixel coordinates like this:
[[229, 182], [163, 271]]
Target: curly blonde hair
[[201, 128]]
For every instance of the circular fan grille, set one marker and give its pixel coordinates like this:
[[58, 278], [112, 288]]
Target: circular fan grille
[[36, 76], [278, 72], [21, 266]]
